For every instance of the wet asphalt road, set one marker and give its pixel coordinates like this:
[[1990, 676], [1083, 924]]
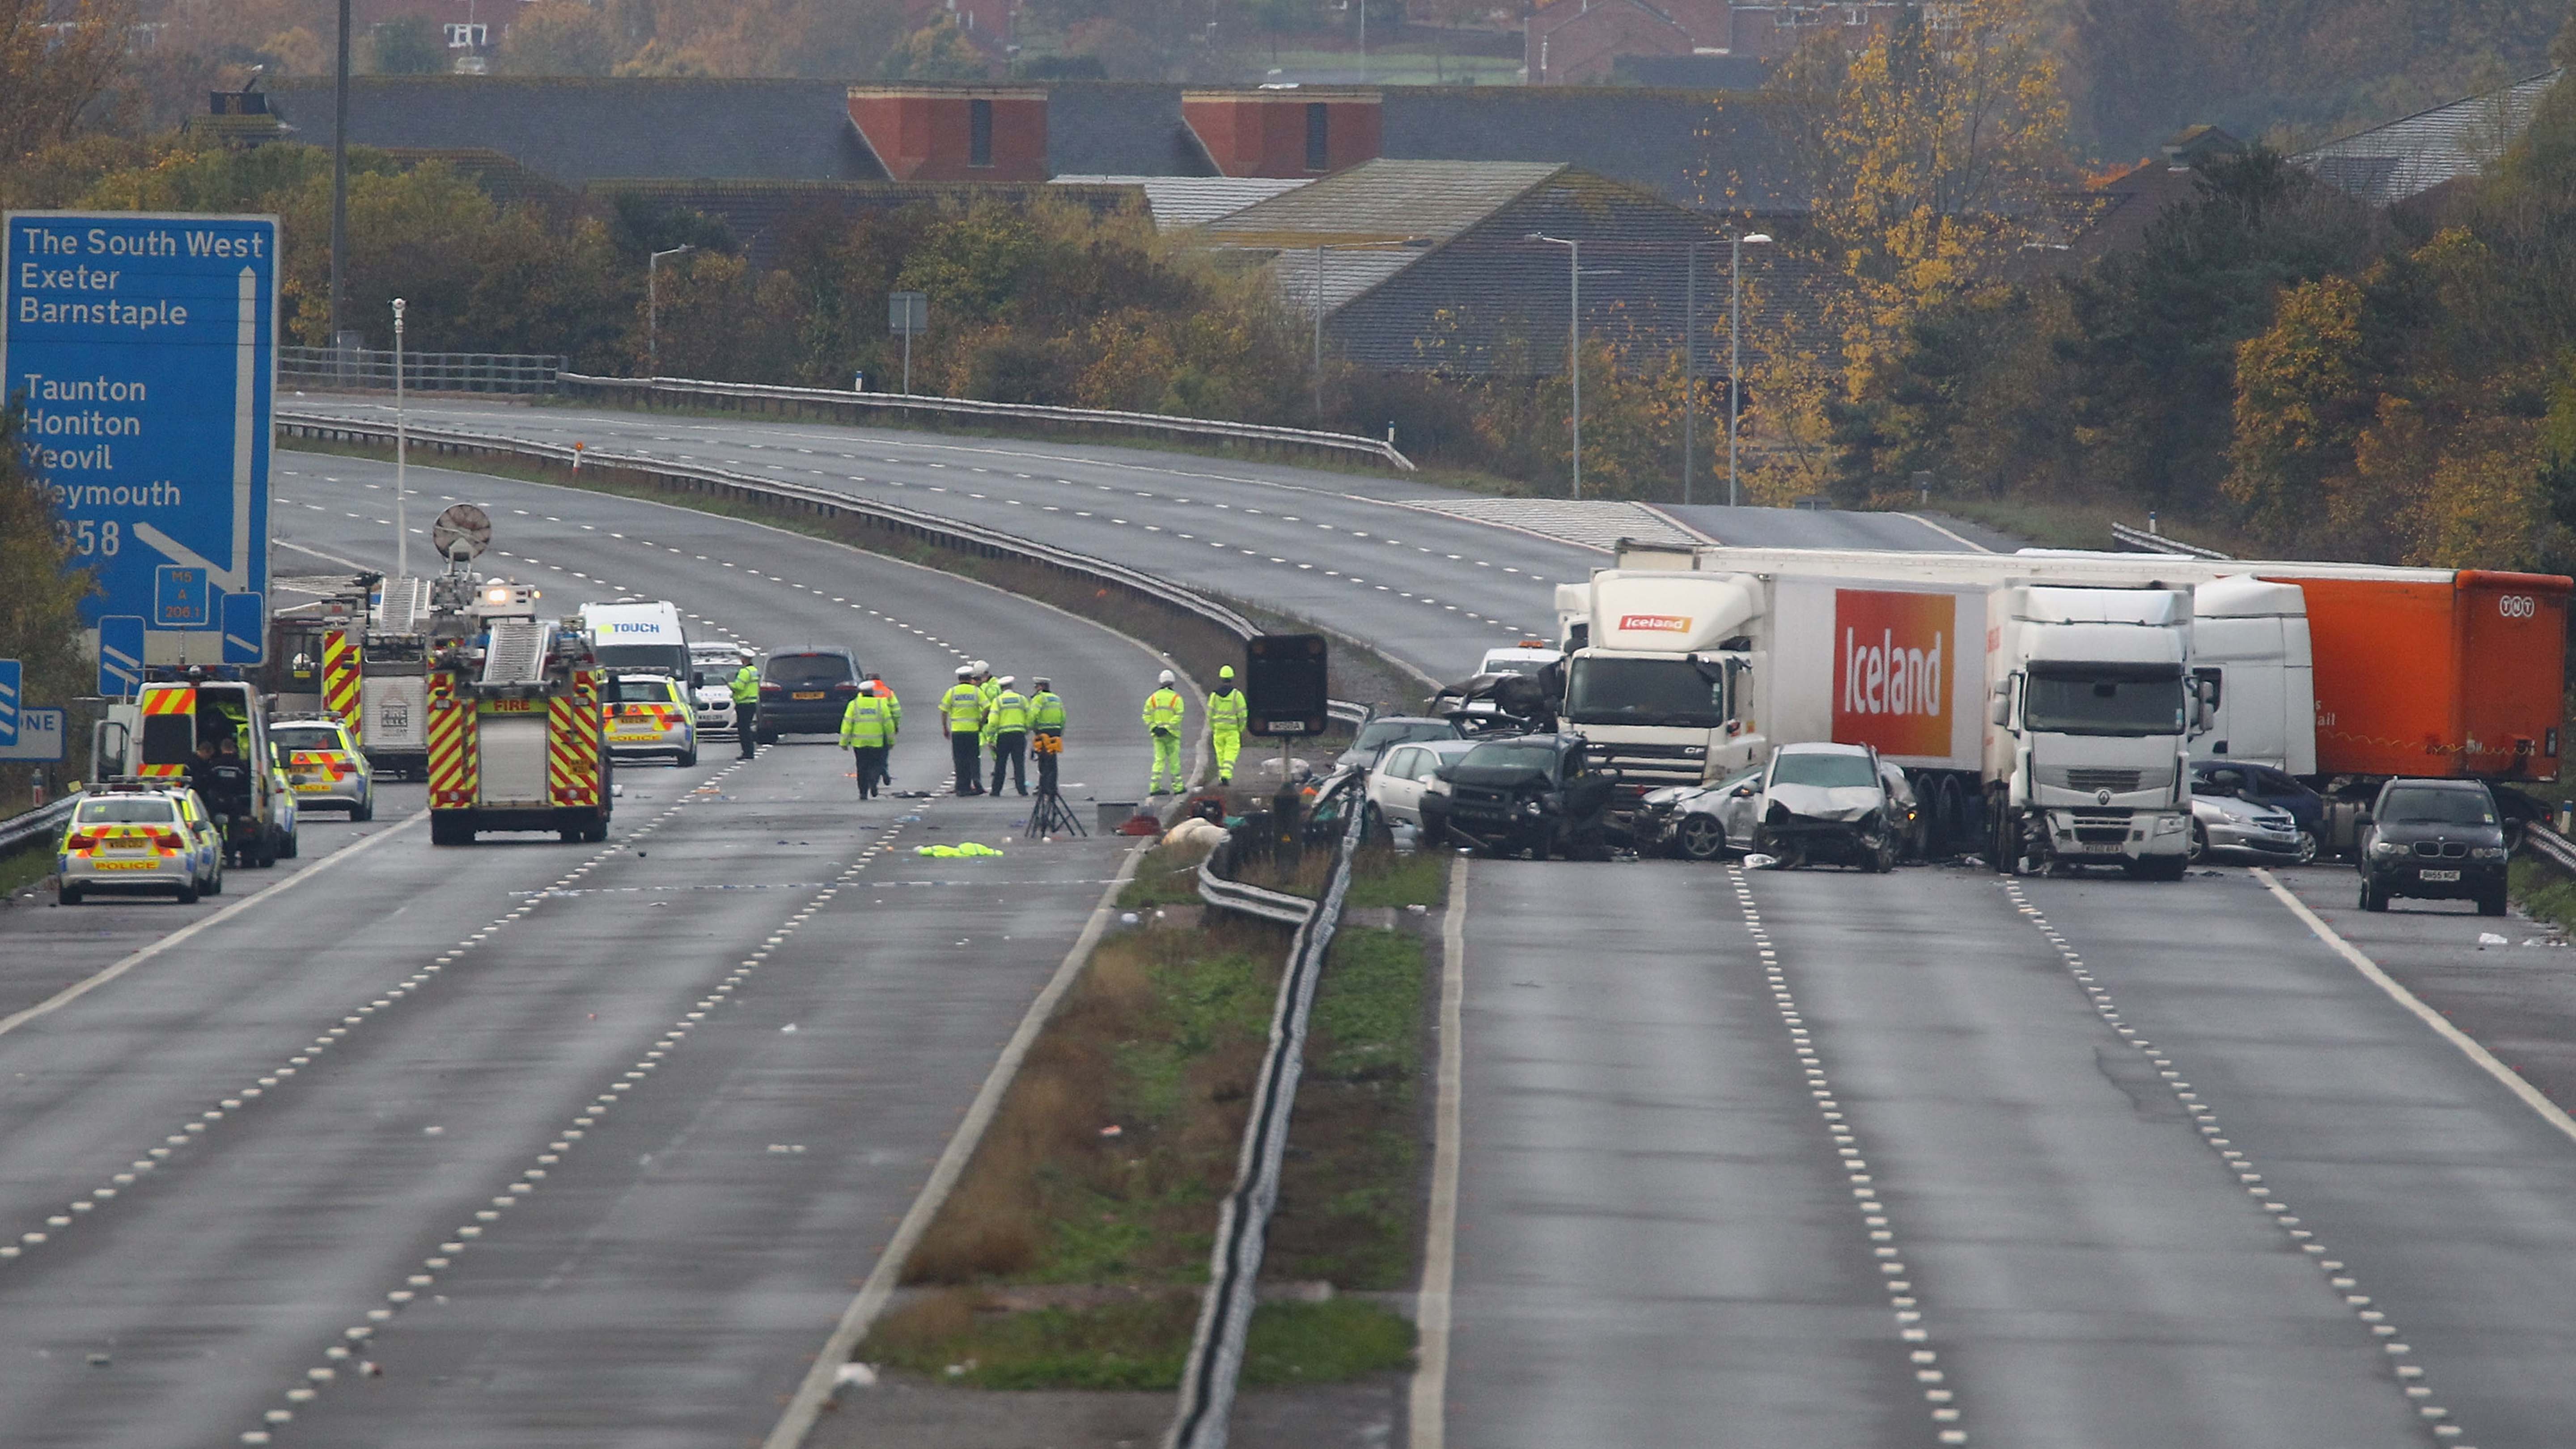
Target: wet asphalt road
[[1670, 1217], [768, 1010]]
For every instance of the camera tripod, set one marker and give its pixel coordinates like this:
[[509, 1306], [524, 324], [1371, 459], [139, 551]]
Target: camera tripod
[[1049, 815]]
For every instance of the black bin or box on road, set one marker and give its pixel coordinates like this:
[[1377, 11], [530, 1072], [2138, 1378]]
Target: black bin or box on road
[[1283, 685]]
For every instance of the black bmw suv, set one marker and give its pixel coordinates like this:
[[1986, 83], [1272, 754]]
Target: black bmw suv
[[804, 691], [2441, 839]]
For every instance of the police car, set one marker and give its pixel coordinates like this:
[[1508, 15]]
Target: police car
[[324, 767], [139, 837], [647, 714]]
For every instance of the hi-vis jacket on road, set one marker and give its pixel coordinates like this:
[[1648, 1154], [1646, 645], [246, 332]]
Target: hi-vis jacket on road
[[1046, 711], [1165, 710], [866, 724], [964, 706], [745, 685]]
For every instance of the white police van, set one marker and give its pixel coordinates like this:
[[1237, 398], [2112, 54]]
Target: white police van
[[639, 636]]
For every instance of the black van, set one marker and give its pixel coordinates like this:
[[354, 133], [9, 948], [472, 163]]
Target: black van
[[804, 691]]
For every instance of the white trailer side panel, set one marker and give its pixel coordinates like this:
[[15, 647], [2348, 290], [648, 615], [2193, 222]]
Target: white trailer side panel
[[1897, 666]]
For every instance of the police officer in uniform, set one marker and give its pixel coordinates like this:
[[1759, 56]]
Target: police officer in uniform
[[867, 732], [745, 689], [963, 709], [1006, 733]]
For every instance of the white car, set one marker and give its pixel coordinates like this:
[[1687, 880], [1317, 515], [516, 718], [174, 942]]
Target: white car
[[2224, 824], [1703, 822], [1828, 802], [713, 666], [1405, 773]]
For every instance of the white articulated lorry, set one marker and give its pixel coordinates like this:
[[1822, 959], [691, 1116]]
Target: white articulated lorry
[[1684, 676]]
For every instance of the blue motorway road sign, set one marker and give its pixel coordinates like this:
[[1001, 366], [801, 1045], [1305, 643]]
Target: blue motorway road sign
[[144, 348], [120, 656], [12, 676], [40, 738], [245, 628], [179, 597]]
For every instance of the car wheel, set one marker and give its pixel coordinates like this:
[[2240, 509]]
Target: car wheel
[[291, 848], [2198, 850], [2492, 903], [2373, 898], [69, 895], [188, 894], [2309, 848], [1700, 837], [214, 885], [364, 810], [689, 759]]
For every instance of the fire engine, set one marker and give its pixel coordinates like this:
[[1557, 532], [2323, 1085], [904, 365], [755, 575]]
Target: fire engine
[[512, 704]]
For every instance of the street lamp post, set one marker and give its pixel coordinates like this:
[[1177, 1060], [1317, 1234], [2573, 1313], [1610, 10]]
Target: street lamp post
[[402, 440], [1735, 347], [653, 309]]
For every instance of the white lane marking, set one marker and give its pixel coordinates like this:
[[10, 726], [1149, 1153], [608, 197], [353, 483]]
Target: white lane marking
[[1963, 541], [878, 1289], [84, 987], [2550, 1112], [1440, 1232]]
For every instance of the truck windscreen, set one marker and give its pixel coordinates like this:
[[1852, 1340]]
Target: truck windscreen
[[1602, 690], [671, 659], [2104, 704]]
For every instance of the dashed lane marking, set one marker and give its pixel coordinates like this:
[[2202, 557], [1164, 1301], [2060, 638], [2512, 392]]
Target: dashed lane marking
[[2242, 1168], [1922, 1358]]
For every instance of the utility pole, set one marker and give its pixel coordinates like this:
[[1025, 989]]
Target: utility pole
[[1320, 249], [653, 311], [339, 187], [402, 450], [1735, 349]]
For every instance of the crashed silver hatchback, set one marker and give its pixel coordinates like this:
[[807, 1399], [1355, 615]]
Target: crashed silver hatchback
[[1826, 803]]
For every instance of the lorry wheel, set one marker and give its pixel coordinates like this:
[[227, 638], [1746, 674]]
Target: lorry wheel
[[2003, 839], [596, 831], [444, 830], [1700, 837]]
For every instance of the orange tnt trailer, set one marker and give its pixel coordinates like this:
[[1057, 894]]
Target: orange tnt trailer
[[2418, 673]]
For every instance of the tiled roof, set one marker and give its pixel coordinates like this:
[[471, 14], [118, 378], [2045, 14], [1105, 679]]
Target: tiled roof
[[2387, 164], [1120, 128], [758, 212], [1187, 201], [1719, 152], [1371, 212], [576, 130]]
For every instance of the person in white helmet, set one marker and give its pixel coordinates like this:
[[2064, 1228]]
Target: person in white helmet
[[1165, 711], [963, 709]]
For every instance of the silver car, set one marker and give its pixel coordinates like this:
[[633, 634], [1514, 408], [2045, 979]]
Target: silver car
[[1405, 772], [2224, 824], [325, 767], [1703, 822]]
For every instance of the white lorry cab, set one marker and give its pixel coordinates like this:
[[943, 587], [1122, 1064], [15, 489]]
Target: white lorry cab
[[640, 636]]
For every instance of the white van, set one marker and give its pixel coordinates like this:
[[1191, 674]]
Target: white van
[[639, 636]]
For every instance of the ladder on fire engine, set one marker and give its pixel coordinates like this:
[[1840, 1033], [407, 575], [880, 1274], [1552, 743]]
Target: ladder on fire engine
[[517, 653]]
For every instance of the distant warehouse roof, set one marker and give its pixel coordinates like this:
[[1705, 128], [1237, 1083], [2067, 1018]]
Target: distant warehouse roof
[[1431, 265], [2392, 163], [1186, 201]]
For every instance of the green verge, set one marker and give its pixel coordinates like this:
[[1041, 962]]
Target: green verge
[[1140, 1344], [2543, 890], [25, 866], [1070, 1260]]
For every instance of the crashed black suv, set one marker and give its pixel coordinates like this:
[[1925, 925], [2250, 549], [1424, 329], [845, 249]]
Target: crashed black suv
[[1533, 794]]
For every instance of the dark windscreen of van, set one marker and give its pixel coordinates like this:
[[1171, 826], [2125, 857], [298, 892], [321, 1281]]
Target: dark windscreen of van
[[670, 659]]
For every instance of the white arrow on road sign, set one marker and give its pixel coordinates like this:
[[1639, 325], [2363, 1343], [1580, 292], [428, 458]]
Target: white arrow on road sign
[[245, 402]]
